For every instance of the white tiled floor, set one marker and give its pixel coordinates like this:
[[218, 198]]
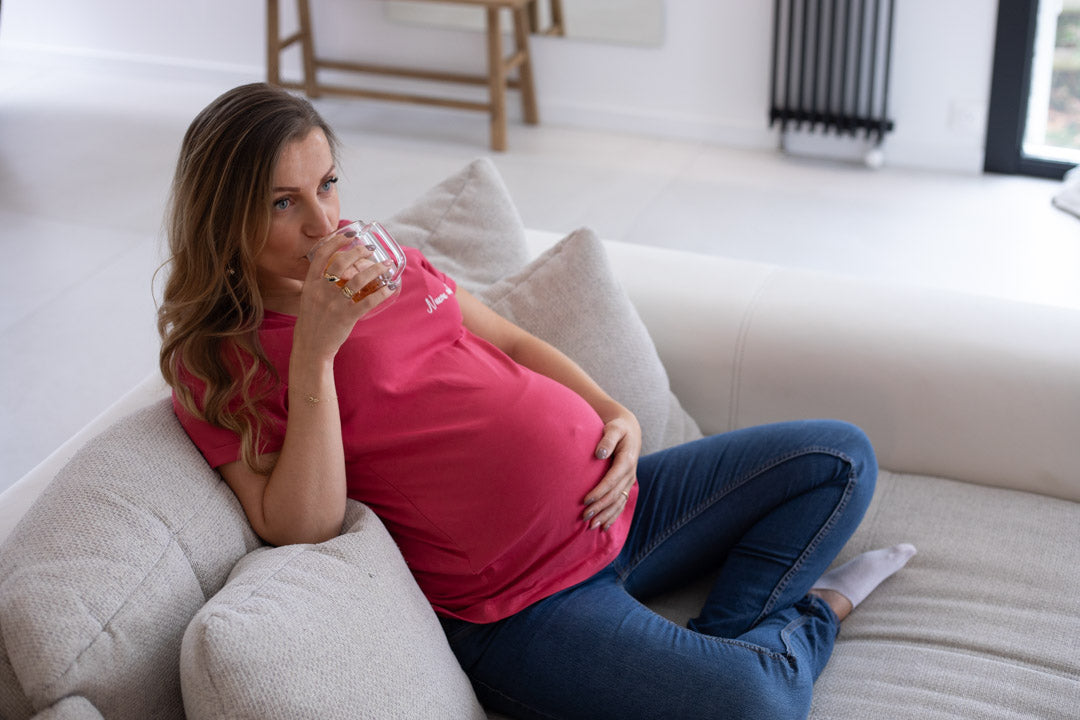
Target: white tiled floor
[[86, 155]]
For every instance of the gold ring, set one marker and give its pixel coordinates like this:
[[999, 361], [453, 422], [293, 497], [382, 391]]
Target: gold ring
[[625, 494], [347, 291], [330, 278]]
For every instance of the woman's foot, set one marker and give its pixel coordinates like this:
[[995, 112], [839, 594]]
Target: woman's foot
[[844, 587]]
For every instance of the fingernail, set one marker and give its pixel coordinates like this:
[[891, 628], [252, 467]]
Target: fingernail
[[590, 515], [601, 453]]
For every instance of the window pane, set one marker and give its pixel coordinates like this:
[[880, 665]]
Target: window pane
[[1053, 123]]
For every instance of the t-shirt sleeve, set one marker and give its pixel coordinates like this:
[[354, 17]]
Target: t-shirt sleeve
[[221, 446], [218, 445]]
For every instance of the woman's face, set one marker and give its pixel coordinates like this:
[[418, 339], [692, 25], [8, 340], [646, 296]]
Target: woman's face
[[305, 209]]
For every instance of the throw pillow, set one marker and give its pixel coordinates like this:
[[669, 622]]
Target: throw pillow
[[334, 630], [70, 708], [569, 297], [102, 576], [467, 226]]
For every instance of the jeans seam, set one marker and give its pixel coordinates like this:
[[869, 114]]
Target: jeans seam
[[818, 538], [785, 636], [708, 502], [756, 649]]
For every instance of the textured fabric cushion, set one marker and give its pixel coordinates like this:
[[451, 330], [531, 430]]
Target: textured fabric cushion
[[982, 623], [467, 226], [569, 297], [103, 574], [334, 630], [70, 708]]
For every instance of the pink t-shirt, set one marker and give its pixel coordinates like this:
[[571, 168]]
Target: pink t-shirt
[[476, 465]]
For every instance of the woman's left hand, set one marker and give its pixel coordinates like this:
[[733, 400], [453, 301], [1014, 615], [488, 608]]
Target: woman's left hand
[[622, 443], [622, 435]]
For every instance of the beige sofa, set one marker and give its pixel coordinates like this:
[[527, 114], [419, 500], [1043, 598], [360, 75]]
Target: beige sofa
[[132, 587]]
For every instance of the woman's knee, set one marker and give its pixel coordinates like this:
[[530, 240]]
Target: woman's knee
[[851, 443]]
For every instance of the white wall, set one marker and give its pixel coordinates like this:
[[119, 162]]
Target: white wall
[[709, 81]]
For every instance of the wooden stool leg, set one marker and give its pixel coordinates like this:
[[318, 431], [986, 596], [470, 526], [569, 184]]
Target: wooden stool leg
[[534, 16], [307, 47], [496, 81], [525, 75], [557, 18], [273, 43]]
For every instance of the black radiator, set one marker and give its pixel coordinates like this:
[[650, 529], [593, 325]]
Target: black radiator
[[830, 65]]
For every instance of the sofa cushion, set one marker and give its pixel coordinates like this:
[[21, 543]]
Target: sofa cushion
[[334, 630], [102, 575], [569, 297], [982, 623], [467, 226], [70, 708]]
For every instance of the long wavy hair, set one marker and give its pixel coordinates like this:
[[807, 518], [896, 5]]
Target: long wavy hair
[[217, 222]]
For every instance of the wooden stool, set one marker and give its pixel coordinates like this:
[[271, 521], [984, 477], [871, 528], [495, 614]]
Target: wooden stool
[[557, 26], [498, 78]]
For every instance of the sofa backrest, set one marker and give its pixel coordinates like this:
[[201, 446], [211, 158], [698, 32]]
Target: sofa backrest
[[101, 577]]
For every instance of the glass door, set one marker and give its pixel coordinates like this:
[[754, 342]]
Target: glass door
[[1034, 120], [1052, 130]]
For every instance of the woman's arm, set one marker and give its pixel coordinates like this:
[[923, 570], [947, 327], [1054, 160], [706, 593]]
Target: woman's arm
[[302, 500], [622, 434]]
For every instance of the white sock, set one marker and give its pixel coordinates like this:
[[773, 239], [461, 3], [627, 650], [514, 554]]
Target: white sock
[[857, 578]]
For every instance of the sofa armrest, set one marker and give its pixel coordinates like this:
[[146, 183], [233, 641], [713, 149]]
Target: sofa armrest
[[972, 388], [17, 499]]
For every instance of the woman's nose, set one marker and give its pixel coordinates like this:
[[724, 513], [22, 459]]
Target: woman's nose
[[318, 223]]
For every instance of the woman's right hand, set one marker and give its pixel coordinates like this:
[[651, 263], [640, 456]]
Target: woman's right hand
[[303, 497], [328, 305]]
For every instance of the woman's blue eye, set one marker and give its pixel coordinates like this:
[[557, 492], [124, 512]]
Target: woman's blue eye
[[282, 204], [328, 184]]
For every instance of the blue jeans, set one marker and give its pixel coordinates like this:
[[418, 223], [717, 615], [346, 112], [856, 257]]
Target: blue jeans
[[768, 508]]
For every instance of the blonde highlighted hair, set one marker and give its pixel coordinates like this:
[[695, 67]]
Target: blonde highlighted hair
[[217, 223]]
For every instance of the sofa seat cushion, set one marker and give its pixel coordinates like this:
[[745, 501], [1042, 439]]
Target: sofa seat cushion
[[102, 575], [334, 630], [983, 621]]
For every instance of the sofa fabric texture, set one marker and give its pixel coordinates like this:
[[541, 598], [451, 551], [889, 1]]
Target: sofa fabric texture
[[467, 226], [985, 624], [337, 629], [102, 576]]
